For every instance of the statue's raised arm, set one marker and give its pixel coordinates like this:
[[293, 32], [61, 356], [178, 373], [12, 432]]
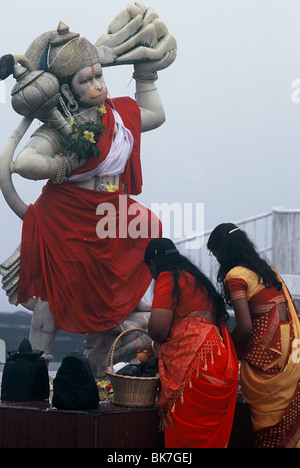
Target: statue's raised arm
[[138, 36]]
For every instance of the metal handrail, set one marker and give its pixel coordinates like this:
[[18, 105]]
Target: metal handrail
[[206, 262]]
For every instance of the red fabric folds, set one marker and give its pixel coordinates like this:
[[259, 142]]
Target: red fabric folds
[[82, 259], [204, 419], [199, 378], [92, 283]]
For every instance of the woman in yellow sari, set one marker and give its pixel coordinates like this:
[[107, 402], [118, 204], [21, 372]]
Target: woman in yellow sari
[[266, 336]]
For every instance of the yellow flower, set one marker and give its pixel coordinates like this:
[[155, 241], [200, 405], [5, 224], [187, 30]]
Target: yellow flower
[[111, 188], [102, 110], [71, 122], [89, 136]]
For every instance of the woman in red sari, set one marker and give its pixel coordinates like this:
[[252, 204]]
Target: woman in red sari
[[198, 366], [267, 329]]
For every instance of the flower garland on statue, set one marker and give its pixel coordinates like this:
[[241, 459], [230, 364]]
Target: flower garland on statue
[[84, 145], [81, 142]]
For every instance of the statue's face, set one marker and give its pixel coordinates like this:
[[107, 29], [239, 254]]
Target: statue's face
[[89, 85]]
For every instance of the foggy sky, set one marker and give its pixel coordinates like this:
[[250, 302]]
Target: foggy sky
[[232, 136]]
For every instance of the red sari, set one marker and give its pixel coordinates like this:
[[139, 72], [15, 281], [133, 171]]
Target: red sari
[[198, 371], [92, 283]]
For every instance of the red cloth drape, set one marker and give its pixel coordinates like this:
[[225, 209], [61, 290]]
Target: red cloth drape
[[91, 283]]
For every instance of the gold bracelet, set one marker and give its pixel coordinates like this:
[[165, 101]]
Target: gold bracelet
[[61, 169], [155, 348]]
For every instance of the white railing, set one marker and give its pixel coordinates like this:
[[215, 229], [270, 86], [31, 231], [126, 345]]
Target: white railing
[[286, 241], [276, 235], [259, 229]]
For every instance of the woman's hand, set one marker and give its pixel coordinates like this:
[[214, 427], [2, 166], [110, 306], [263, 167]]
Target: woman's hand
[[148, 348]]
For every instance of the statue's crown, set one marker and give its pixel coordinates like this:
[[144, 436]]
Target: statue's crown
[[68, 53]]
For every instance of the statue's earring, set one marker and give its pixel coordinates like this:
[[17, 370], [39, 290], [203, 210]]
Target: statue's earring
[[72, 104]]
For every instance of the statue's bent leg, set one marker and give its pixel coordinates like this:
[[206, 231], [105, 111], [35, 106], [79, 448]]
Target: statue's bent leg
[[42, 330], [97, 345], [143, 306]]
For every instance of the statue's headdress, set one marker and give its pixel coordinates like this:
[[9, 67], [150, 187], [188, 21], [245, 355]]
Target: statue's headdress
[[59, 52], [51, 57], [65, 54]]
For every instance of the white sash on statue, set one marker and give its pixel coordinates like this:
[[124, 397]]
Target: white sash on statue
[[115, 161]]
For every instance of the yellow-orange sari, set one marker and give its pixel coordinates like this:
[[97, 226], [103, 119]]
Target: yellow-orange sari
[[270, 368]]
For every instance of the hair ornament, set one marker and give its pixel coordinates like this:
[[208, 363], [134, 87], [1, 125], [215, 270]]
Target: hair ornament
[[170, 251], [232, 230]]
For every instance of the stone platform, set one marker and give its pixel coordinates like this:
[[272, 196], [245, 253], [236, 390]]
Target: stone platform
[[39, 425]]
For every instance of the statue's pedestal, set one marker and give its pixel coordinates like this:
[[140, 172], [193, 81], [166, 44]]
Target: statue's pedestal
[[37, 425]]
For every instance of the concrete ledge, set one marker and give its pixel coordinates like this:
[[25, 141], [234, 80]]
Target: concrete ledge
[[37, 425]]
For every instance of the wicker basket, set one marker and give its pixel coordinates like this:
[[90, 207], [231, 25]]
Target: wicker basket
[[128, 390]]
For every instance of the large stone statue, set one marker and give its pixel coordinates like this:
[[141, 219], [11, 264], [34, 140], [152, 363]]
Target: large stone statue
[[80, 263]]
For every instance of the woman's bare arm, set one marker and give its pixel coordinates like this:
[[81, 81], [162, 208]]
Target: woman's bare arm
[[244, 326], [159, 324]]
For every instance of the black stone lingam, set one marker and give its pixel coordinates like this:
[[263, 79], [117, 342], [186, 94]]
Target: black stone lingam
[[25, 375]]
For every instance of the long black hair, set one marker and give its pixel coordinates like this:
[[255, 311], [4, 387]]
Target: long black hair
[[234, 248], [166, 257]]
